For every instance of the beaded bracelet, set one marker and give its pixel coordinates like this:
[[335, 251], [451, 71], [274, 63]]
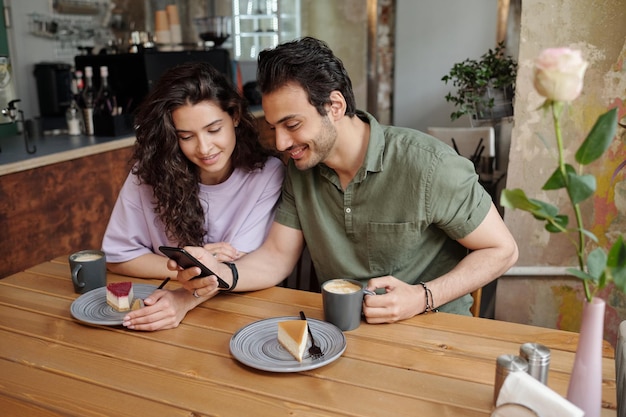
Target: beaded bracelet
[[430, 306], [233, 269]]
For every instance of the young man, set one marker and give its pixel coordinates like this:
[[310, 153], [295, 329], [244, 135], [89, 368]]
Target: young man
[[390, 206]]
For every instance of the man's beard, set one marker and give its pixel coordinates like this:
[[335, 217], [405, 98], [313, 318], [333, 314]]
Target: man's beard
[[320, 147]]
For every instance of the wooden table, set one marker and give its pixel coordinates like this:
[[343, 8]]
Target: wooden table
[[432, 365]]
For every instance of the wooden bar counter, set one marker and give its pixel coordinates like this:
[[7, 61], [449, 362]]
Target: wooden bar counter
[[57, 200]]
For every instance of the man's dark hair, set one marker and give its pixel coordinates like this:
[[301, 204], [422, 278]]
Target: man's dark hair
[[311, 64]]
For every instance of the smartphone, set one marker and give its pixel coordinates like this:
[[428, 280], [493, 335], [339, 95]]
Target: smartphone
[[187, 260]]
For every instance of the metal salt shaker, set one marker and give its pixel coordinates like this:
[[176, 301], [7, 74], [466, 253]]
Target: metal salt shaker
[[505, 364], [538, 358]]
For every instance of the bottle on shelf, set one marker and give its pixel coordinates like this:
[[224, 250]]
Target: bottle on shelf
[[80, 84], [73, 114], [106, 101], [88, 101]]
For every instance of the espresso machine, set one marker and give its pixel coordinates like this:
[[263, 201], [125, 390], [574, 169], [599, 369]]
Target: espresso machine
[[54, 80]]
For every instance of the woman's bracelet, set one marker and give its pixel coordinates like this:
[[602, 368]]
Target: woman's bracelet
[[430, 305], [233, 269]]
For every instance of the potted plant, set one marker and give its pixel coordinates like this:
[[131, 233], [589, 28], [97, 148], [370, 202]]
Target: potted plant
[[485, 87], [558, 77]]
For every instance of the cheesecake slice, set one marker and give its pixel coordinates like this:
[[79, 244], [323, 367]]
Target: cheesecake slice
[[292, 335], [137, 304], [120, 295]]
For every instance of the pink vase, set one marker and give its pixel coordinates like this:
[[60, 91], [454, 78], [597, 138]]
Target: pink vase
[[585, 385]]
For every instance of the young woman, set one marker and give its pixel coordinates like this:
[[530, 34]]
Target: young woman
[[200, 178]]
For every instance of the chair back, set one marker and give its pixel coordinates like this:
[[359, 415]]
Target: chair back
[[303, 276], [620, 369], [474, 143], [477, 296]]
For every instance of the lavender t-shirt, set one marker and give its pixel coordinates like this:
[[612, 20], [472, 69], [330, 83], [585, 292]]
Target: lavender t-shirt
[[238, 211]]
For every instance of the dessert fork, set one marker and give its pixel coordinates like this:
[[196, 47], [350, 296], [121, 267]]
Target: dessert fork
[[314, 350]]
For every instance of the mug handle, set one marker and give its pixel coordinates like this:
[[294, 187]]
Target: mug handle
[[75, 270]]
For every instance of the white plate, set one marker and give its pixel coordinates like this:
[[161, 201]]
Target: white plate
[[256, 345], [92, 306]]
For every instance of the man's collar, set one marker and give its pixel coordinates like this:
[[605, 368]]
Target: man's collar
[[376, 147]]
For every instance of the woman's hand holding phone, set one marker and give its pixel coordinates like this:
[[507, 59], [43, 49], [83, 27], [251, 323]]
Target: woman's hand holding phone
[[189, 259]]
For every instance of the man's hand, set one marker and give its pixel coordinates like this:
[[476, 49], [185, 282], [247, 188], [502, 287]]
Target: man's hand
[[223, 251], [399, 302], [200, 287]]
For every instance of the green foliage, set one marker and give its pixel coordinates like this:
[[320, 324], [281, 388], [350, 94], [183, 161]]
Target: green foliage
[[472, 78], [599, 268], [599, 139]]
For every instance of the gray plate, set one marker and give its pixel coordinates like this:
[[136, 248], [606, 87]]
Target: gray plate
[[92, 306], [256, 345]]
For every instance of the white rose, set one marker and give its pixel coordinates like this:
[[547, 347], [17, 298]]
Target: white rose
[[559, 74]]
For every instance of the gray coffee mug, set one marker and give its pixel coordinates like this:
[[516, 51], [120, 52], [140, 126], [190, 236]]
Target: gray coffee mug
[[89, 270], [343, 303]]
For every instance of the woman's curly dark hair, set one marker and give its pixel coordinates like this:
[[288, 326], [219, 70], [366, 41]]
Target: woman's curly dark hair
[[158, 160]]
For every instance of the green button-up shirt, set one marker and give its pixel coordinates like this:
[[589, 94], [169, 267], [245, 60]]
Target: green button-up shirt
[[401, 214]]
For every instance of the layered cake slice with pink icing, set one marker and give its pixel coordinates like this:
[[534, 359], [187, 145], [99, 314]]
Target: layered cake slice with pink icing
[[120, 295]]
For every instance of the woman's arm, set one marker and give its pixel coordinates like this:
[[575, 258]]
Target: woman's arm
[[149, 265]]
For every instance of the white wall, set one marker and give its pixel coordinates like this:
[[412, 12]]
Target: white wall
[[432, 35], [26, 49]]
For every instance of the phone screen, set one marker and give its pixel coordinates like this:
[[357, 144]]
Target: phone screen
[[187, 260]]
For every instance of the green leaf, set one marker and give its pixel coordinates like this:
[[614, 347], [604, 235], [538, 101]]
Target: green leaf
[[561, 220], [545, 107], [619, 278], [596, 263], [555, 222], [556, 180], [544, 210], [580, 187], [617, 263], [604, 278], [516, 199], [617, 254], [580, 274], [599, 138], [590, 235]]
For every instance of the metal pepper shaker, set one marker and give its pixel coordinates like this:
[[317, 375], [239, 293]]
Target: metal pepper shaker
[[538, 358], [505, 364]]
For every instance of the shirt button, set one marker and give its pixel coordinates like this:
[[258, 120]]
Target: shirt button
[[348, 210]]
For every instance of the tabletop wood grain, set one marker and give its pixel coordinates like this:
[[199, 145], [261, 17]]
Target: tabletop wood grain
[[432, 365]]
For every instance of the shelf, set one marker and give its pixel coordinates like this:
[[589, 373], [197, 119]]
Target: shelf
[[250, 34], [61, 28], [257, 16]]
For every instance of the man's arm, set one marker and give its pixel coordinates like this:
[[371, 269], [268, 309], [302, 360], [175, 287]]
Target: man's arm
[[493, 252], [263, 268]]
